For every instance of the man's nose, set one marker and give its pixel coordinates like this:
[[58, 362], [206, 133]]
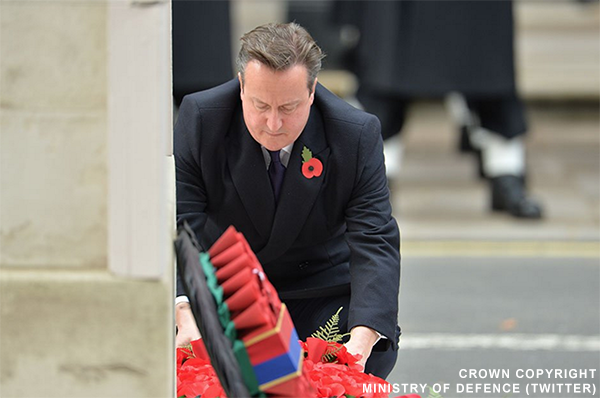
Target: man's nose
[[274, 121]]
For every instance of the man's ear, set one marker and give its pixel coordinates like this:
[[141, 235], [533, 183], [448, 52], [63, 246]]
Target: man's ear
[[241, 82], [312, 94]]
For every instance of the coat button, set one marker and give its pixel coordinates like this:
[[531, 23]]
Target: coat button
[[303, 265]]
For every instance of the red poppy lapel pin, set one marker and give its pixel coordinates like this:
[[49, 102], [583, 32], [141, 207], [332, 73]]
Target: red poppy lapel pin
[[311, 167]]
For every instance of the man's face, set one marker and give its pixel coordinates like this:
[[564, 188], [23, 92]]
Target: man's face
[[276, 105]]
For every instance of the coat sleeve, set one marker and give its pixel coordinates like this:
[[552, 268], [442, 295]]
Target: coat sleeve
[[190, 188], [374, 241]]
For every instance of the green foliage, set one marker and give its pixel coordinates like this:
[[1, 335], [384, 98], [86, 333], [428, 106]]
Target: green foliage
[[331, 353], [331, 332], [306, 154]]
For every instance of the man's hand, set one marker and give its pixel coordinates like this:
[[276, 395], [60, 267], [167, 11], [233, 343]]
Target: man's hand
[[361, 342], [187, 330]]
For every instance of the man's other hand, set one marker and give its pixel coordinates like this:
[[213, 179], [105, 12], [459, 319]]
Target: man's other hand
[[361, 342], [187, 330]]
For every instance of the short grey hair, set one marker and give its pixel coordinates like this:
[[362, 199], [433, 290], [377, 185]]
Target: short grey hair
[[280, 47]]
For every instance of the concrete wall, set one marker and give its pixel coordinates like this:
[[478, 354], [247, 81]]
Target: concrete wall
[[69, 326]]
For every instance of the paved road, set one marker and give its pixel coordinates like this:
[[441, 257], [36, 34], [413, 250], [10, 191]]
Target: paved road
[[511, 314]]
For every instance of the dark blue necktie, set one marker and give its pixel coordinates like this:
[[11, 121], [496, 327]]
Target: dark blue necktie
[[276, 172]]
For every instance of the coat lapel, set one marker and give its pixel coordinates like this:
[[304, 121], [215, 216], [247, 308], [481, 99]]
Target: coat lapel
[[250, 178], [298, 193]]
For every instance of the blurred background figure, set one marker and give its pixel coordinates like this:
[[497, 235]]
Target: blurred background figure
[[429, 49], [201, 46]]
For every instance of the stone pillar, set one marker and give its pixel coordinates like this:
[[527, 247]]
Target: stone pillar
[[85, 159]]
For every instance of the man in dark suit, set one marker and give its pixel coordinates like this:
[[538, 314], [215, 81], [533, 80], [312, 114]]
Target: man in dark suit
[[301, 174]]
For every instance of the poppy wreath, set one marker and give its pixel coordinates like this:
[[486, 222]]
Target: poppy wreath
[[330, 369], [274, 363], [257, 324]]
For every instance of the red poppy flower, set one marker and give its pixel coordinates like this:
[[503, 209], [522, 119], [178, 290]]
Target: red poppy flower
[[315, 348], [196, 376], [345, 358], [312, 168], [182, 355]]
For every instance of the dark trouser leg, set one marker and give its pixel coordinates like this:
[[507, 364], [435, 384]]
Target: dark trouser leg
[[309, 314], [504, 116], [390, 109]]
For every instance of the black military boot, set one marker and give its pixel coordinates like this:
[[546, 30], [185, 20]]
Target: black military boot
[[508, 194]]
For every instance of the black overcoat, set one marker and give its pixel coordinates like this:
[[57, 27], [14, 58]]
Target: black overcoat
[[429, 48]]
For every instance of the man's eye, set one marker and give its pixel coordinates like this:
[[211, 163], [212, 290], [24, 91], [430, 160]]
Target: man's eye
[[288, 109], [262, 107]]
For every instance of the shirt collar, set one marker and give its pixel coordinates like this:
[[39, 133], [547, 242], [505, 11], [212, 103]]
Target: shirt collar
[[284, 154]]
